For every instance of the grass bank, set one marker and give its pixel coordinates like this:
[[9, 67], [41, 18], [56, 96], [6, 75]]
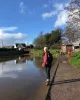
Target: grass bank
[[75, 60], [38, 53]]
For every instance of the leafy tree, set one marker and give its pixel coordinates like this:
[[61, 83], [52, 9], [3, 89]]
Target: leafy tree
[[49, 39], [31, 46], [39, 42], [55, 36]]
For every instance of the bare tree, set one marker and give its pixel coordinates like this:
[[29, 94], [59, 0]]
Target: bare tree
[[73, 23]]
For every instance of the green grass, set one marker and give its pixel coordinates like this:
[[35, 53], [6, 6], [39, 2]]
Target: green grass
[[53, 51], [76, 59], [38, 53]]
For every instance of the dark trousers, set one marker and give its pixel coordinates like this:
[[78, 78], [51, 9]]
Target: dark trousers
[[47, 71]]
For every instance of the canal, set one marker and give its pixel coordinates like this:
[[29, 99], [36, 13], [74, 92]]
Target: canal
[[20, 77]]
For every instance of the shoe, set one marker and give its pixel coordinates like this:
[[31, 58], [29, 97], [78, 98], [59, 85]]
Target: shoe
[[47, 80], [47, 83]]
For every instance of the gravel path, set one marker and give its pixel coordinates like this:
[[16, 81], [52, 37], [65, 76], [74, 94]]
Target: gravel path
[[66, 84]]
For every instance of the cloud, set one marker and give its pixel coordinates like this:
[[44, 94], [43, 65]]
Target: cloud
[[9, 69], [62, 15], [59, 12], [22, 7], [61, 19], [47, 4], [9, 38], [59, 7], [48, 15], [9, 28]]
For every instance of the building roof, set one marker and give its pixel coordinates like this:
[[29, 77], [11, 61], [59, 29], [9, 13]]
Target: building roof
[[76, 43], [23, 44], [66, 44]]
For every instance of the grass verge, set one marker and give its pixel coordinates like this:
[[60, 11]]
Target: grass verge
[[38, 53], [75, 60]]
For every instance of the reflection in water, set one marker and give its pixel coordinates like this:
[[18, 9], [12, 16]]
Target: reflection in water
[[21, 60], [38, 62], [20, 77], [8, 69]]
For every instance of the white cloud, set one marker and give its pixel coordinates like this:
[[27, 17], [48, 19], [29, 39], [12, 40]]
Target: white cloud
[[50, 14], [59, 12], [9, 28], [61, 19], [9, 38], [59, 6], [47, 4], [9, 68], [22, 7], [62, 15]]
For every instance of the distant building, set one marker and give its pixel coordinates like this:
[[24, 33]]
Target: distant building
[[10, 47], [75, 46], [20, 46], [21, 60], [65, 47]]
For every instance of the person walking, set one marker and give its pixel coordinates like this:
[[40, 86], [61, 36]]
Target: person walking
[[47, 59]]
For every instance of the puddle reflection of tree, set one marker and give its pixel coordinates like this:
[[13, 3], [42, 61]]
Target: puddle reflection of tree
[[38, 62], [19, 59], [23, 59]]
